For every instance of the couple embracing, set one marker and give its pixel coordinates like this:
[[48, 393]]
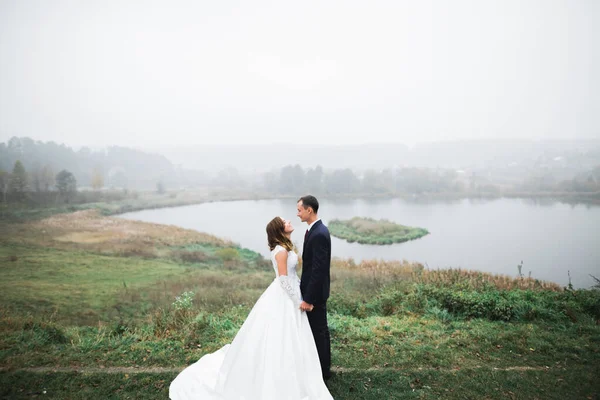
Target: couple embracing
[[282, 351]]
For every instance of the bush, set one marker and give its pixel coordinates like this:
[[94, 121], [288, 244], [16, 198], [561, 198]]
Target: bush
[[167, 321], [141, 252], [391, 302], [516, 304], [441, 314], [184, 302], [590, 302], [228, 254], [348, 305], [195, 256], [262, 263]]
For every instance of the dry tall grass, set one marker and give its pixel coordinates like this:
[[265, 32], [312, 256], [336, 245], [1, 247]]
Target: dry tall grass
[[477, 279], [90, 231], [392, 270], [377, 273]]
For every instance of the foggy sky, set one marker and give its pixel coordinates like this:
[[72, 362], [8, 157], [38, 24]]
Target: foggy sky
[[151, 73]]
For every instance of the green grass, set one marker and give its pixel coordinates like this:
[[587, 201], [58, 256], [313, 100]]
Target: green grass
[[73, 385], [372, 341], [84, 288], [477, 383], [468, 383], [75, 284], [378, 351], [397, 331], [225, 253], [370, 231]]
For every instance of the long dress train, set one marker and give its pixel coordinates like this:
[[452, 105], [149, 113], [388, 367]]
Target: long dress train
[[272, 357]]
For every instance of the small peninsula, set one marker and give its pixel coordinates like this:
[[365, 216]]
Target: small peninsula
[[371, 231]]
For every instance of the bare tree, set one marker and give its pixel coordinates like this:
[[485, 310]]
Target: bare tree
[[47, 178], [97, 179]]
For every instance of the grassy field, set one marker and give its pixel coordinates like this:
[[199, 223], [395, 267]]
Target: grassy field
[[370, 231], [87, 308]]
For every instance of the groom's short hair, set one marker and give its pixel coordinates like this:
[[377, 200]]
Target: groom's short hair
[[310, 201]]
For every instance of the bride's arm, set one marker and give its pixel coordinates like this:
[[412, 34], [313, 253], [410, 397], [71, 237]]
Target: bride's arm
[[285, 282]]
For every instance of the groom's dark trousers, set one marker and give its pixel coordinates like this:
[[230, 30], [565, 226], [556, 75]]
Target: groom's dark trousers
[[318, 324], [314, 285]]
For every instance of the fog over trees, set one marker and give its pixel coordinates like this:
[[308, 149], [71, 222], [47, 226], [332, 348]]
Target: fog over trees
[[30, 168]]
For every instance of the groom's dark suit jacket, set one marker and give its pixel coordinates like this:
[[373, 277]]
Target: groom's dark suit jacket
[[316, 262]]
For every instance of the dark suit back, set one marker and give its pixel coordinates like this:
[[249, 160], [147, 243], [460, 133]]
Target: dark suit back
[[316, 265]]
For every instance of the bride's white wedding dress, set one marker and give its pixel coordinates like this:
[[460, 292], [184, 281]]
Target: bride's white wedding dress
[[272, 357]]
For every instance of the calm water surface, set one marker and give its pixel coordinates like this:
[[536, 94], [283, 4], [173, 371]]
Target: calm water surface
[[550, 238]]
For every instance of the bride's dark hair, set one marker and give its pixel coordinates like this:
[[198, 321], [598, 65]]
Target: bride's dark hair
[[276, 234]]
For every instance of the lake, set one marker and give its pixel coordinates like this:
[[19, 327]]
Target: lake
[[550, 238]]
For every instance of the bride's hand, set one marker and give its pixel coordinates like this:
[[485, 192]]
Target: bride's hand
[[304, 306]]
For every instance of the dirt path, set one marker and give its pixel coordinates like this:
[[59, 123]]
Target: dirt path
[[160, 370]]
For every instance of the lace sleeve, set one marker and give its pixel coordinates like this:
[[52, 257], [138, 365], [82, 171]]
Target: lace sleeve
[[287, 285]]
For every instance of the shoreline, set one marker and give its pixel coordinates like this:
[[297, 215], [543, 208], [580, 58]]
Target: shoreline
[[117, 209], [150, 200]]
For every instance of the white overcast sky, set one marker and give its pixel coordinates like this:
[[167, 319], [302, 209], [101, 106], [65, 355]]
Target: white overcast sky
[[150, 73]]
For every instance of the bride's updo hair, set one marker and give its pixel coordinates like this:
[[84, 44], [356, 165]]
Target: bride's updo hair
[[276, 234]]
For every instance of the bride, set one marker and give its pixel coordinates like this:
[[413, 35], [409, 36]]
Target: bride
[[273, 356]]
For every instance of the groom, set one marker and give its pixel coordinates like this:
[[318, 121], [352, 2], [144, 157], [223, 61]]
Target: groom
[[314, 283]]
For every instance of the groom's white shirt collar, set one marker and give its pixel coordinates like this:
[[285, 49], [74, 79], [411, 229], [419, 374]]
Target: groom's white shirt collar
[[314, 222]]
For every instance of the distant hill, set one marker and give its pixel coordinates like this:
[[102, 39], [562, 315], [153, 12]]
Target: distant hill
[[119, 166], [451, 154]]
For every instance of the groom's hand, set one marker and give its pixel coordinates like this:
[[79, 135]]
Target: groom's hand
[[304, 306]]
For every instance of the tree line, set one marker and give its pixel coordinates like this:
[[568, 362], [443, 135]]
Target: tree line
[[113, 167], [292, 179], [40, 173], [17, 186]]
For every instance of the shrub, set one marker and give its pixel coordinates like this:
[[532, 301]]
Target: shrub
[[195, 256], [516, 304], [132, 251], [184, 302], [228, 254]]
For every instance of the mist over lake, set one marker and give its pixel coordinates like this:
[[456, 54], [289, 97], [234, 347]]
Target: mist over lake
[[550, 238]]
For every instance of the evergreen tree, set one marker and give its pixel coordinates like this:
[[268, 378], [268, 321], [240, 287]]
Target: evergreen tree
[[17, 186]]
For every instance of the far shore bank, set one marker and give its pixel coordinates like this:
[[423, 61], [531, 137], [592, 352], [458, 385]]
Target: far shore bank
[[138, 201]]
